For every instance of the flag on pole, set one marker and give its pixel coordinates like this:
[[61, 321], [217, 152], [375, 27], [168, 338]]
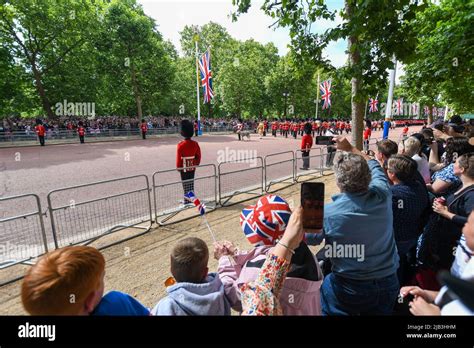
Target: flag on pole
[[325, 88], [190, 196], [206, 76], [399, 105], [414, 109], [373, 104], [426, 110]]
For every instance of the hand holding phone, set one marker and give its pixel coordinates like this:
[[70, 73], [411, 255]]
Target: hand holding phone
[[312, 202], [324, 140]]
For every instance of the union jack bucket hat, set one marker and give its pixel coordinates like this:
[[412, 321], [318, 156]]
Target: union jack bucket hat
[[265, 222]]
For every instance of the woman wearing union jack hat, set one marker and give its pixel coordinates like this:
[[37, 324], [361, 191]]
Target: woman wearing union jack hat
[[264, 225]]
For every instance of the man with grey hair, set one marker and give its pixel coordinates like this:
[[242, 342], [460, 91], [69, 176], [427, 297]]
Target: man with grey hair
[[360, 216]]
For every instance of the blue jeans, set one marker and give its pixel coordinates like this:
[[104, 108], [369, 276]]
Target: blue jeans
[[344, 296]]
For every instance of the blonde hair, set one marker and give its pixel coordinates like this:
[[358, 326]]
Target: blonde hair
[[60, 282], [412, 146]]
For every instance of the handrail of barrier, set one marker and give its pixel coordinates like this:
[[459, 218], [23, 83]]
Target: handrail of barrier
[[28, 251], [266, 165], [248, 190], [309, 172], [179, 209], [117, 225]]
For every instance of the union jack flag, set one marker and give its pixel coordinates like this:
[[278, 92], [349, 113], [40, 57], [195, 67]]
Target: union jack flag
[[434, 111], [399, 105], [266, 221], [373, 104], [414, 109], [325, 88], [426, 110], [206, 76], [190, 196]]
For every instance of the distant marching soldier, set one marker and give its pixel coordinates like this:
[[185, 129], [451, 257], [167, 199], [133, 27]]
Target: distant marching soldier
[[274, 128], [144, 128], [40, 131], [81, 131]]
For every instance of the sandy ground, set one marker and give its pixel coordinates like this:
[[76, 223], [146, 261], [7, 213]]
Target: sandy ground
[[140, 266]]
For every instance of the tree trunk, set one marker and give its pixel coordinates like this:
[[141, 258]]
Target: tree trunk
[[136, 92], [42, 93], [357, 107]]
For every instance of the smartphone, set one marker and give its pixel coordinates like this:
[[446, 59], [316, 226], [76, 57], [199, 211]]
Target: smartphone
[[324, 140], [312, 201]]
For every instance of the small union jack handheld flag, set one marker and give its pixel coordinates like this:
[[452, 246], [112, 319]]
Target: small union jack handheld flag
[[191, 197]]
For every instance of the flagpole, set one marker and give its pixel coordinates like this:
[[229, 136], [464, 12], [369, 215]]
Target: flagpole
[[317, 97], [197, 89], [388, 109], [365, 111]]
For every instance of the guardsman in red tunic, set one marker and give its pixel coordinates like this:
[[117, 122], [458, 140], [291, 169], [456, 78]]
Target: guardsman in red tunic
[[81, 131], [40, 131], [144, 128], [314, 128], [188, 156], [274, 128], [301, 128]]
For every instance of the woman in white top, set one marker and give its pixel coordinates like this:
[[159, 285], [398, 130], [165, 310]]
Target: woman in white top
[[411, 147]]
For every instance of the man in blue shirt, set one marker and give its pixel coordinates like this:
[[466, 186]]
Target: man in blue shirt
[[358, 231]]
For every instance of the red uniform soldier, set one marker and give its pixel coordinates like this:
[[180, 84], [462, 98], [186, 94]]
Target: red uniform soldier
[[144, 128], [81, 132], [40, 131], [188, 155]]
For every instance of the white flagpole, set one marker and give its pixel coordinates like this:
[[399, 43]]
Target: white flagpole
[[388, 109], [317, 97], [197, 88]]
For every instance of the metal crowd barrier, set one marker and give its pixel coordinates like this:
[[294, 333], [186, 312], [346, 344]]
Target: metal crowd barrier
[[22, 235], [233, 183], [316, 163], [278, 174], [86, 220], [169, 190]]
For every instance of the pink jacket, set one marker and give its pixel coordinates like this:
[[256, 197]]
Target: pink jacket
[[298, 296]]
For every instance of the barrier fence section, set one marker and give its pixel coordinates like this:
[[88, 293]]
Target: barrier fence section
[[316, 163], [169, 190], [240, 177], [279, 167], [22, 235], [83, 220]]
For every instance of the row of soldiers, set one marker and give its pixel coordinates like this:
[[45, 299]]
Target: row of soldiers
[[295, 128]]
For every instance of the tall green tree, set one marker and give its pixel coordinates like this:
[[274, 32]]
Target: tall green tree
[[444, 61], [376, 31], [43, 34]]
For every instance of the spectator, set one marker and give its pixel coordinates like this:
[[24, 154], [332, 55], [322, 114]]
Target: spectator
[[428, 302], [410, 204], [299, 294], [77, 271], [412, 149], [196, 291], [386, 148], [458, 206], [261, 297], [444, 181], [360, 217]]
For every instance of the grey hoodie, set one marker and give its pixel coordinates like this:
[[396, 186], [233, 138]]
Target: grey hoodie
[[194, 299]]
